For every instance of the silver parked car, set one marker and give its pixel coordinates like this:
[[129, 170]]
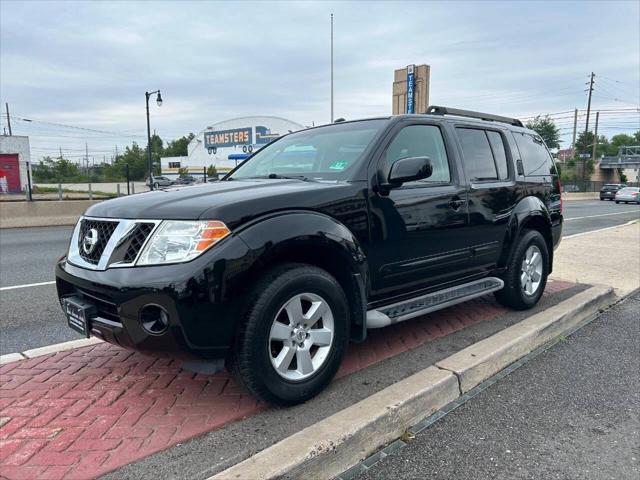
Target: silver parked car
[[160, 181], [628, 195]]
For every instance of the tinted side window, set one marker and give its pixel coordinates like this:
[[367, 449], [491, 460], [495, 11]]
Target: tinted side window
[[421, 141], [499, 154], [535, 157], [478, 159]]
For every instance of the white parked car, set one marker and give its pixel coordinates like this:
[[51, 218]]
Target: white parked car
[[628, 195]]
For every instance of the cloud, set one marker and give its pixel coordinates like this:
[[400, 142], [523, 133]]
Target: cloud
[[89, 63]]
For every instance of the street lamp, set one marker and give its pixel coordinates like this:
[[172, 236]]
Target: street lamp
[[159, 102]]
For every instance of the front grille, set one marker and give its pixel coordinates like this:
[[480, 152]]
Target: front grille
[[104, 228], [137, 239], [105, 306]]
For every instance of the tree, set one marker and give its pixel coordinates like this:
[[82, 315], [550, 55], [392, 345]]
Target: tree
[[59, 170], [212, 172], [183, 172], [618, 141], [178, 147], [584, 143], [133, 156], [547, 129]]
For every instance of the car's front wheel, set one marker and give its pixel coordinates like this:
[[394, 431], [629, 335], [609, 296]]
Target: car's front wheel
[[526, 275], [293, 335]]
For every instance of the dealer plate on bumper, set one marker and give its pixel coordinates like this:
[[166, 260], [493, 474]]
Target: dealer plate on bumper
[[79, 314]]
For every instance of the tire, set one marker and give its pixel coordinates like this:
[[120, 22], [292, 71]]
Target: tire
[[156, 186], [617, 201], [513, 294], [256, 351], [601, 199]]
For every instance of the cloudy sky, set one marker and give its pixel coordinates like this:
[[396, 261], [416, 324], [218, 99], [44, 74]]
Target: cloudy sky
[[87, 64]]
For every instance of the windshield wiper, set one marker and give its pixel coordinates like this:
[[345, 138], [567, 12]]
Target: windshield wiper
[[287, 177]]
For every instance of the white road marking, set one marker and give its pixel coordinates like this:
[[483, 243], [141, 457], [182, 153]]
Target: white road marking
[[601, 215], [599, 230], [26, 285]]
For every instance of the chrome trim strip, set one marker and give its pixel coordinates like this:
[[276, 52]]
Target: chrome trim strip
[[124, 227]]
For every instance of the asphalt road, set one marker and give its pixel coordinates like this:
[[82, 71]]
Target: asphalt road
[[31, 316], [571, 413]]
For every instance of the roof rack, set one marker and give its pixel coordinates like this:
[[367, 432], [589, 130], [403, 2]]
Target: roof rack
[[435, 110]]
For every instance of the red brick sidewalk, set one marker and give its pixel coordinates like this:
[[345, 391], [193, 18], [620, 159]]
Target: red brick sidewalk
[[82, 413]]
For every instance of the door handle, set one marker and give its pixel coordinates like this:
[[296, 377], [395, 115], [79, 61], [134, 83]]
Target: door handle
[[456, 204]]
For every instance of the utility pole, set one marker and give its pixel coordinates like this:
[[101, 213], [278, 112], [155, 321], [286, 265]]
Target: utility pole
[[575, 126], [332, 68], [60, 152], [86, 156], [595, 138], [586, 129], [8, 118]]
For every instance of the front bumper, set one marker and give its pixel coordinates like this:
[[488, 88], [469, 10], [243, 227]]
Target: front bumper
[[195, 295]]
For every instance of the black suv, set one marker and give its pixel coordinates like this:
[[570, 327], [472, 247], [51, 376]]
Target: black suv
[[317, 237], [609, 190]]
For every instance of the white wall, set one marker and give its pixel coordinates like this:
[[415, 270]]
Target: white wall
[[199, 157]]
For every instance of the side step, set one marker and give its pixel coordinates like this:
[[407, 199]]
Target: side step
[[431, 302]]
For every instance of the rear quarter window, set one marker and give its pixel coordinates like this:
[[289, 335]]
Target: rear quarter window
[[535, 157]]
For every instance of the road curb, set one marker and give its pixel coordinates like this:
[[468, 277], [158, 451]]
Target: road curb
[[56, 347], [487, 357], [333, 445]]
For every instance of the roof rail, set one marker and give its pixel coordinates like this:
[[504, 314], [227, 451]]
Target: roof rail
[[435, 110]]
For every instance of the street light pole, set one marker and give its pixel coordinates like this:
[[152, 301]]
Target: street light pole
[[331, 68], [159, 101]]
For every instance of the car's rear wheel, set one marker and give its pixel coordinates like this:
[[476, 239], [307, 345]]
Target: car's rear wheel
[[293, 335], [156, 186], [526, 275], [617, 201]]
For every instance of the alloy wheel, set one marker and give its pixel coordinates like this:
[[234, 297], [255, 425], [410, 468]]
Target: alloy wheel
[[301, 336], [531, 270]]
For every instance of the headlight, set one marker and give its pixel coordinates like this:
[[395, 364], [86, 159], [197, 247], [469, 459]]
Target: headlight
[[181, 241]]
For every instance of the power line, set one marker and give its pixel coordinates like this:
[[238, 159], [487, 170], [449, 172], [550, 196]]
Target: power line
[[32, 120]]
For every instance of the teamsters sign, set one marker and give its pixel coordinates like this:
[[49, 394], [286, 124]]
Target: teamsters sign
[[228, 138], [411, 83]]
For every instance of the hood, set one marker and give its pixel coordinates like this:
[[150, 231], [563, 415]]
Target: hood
[[232, 202]]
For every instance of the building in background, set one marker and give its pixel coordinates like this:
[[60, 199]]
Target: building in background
[[15, 159], [411, 89], [225, 144], [565, 154]]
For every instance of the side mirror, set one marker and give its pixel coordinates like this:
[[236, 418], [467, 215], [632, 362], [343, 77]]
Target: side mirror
[[408, 170]]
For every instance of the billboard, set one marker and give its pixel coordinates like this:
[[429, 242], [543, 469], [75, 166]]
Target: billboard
[[410, 93], [410, 88], [228, 138]]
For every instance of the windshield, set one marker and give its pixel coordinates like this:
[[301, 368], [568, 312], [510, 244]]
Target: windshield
[[324, 153]]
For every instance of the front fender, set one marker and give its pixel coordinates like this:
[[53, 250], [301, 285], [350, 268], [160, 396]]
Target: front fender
[[318, 239], [273, 235]]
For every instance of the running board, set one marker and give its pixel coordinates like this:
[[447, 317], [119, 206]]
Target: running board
[[415, 307]]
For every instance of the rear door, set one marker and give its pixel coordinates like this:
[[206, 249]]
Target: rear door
[[492, 194]]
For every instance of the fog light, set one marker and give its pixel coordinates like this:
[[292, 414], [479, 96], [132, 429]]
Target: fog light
[[154, 319]]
